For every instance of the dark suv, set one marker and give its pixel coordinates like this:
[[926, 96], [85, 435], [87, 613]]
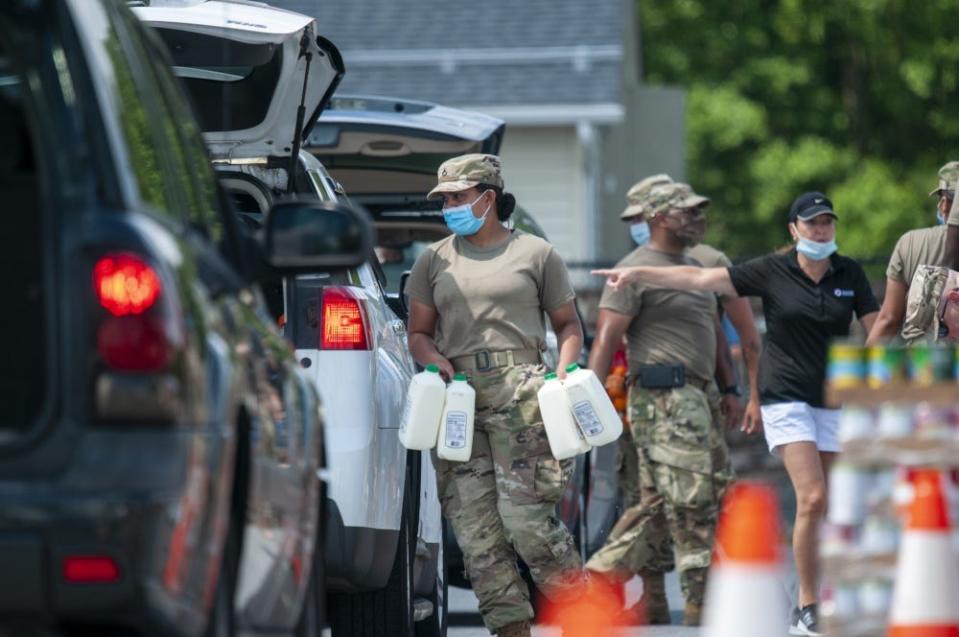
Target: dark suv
[[160, 450]]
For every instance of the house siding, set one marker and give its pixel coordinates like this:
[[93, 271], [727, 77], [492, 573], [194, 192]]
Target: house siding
[[543, 168]]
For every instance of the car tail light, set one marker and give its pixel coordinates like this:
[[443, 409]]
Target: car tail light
[[90, 569], [133, 336], [125, 284], [344, 325]]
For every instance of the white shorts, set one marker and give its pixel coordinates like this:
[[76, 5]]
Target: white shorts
[[799, 422]]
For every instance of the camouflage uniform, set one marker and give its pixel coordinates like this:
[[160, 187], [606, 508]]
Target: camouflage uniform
[[683, 468], [505, 498], [920, 321], [683, 471], [661, 558]]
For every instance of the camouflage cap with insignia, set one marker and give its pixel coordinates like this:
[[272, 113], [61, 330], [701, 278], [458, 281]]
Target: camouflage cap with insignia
[[636, 195], [466, 171], [665, 197], [948, 175]]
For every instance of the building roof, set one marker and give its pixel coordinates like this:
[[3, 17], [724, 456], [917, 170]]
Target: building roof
[[503, 53]]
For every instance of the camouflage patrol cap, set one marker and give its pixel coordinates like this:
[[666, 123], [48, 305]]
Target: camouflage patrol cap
[[672, 195], [948, 175], [467, 171], [636, 196]]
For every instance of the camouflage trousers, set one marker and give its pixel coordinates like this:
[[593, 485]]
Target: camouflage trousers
[[502, 502], [683, 470]]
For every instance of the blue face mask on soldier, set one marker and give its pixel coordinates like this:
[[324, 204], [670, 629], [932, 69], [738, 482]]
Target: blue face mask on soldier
[[940, 218], [461, 220], [816, 250], [640, 233]]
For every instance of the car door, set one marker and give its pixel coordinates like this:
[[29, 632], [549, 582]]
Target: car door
[[280, 521]]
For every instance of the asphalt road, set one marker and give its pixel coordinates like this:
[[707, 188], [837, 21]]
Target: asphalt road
[[465, 620]]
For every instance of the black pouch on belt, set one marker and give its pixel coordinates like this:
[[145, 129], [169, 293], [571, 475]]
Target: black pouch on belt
[[661, 376]]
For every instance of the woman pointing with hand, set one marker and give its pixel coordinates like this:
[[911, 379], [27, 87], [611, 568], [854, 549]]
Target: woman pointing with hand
[[810, 294]]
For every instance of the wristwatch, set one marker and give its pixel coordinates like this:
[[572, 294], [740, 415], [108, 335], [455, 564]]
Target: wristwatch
[[735, 390]]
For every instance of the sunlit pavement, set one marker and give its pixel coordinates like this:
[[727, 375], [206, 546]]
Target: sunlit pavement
[[463, 610]]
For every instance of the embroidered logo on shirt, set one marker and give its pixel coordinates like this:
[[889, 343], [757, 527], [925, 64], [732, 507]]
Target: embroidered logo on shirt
[[840, 293]]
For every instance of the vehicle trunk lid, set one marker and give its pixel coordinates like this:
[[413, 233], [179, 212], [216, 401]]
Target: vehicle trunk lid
[[245, 66], [387, 151]]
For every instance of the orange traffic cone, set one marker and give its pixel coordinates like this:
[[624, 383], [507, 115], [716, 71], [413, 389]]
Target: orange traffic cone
[[744, 595], [925, 601]]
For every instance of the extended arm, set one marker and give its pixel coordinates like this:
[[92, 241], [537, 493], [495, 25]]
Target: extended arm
[[679, 277], [741, 316], [422, 328], [610, 328], [569, 335], [726, 377], [892, 313], [868, 321]]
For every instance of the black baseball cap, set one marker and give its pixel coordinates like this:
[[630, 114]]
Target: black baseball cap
[[810, 205]]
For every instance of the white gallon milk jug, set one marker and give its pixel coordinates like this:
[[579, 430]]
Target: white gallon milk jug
[[424, 409], [592, 408], [565, 437], [456, 430]]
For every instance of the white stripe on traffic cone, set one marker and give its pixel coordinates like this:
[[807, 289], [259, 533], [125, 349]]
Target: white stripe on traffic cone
[[925, 602], [744, 594]]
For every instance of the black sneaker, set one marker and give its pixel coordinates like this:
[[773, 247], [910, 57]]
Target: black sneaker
[[805, 621]]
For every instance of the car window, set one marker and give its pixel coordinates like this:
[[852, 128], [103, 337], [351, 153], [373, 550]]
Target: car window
[[397, 259], [319, 185], [188, 152], [142, 133]]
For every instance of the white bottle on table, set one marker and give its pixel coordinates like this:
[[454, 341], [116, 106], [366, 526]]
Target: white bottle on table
[[456, 431], [565, 437], [424, 409], [593, 410]]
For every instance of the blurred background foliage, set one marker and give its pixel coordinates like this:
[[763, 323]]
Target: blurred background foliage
[[857, 98]]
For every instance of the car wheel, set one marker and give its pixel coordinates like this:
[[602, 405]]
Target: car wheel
[[387, 612], [435, 625]]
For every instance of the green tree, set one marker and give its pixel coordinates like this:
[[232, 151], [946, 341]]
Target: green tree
[[854, 98]]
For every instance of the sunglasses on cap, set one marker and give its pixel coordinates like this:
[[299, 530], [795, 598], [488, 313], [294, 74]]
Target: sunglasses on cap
[[948, 194]]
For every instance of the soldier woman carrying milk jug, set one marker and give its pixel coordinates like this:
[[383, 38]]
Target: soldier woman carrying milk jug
[[477, 301]]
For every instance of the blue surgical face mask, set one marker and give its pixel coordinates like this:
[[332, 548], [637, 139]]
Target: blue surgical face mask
[[640, 233], [462, 221], [940, 218], [816, 250]]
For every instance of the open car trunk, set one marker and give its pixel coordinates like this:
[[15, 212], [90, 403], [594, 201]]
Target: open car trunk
[[385, 152], [246, 67]]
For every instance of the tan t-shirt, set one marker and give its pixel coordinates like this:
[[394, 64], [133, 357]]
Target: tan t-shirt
[[710, 257], [670, 326], [926, 246], [490, 299]]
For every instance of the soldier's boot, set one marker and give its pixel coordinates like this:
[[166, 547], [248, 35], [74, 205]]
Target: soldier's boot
[[695, 589], [516, 629], [652, 608], [654, 594]]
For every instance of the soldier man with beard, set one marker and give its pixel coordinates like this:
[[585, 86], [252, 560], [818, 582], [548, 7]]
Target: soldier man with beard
[[683, 460]]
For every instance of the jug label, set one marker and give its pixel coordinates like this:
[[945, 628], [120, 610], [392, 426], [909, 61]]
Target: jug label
[[587, 418], [405, 422], [456, 429]]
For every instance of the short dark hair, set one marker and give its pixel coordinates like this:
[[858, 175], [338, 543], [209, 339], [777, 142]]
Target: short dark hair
[[505, 202]]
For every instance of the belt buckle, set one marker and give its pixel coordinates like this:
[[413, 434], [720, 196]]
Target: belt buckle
[[484, 356]]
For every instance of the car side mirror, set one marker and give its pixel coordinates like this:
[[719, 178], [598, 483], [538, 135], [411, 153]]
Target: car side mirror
[[310, 236]]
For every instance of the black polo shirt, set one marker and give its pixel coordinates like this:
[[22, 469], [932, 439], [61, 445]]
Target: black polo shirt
[[802, 317]]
